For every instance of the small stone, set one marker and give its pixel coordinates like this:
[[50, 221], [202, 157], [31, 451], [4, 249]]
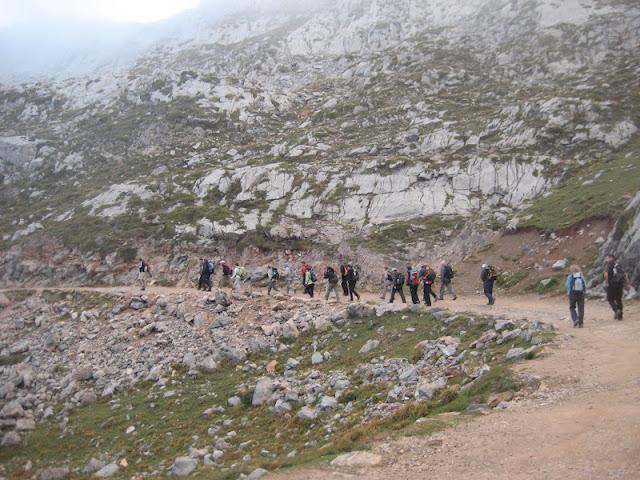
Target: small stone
[[93, 465], [107, 471], [54, 473], [317, 358], [257, 473], [357, 459], [130, 430], [234, 401], [10, 440], [308, 413], [262, 392], [183, 466], [370, 345], [25, 424], [328, 403], [560, 264]]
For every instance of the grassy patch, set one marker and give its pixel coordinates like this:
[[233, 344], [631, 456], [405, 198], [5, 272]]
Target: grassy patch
[[600, 189]]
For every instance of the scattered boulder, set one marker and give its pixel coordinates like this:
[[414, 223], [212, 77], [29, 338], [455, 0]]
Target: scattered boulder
[[107, 471], [10, 440], [370, 345], [360, 310], [262, 392], [257, 473], [560, 264], [426, 391], [308, 413], [54, 473], [183, 466]]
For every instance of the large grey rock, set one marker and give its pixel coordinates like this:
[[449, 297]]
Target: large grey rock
[[262, 391], [12, 409], [83, 373], [183, 466], [93, 465]]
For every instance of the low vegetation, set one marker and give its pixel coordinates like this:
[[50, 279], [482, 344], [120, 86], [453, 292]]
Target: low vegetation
[[168, 418]]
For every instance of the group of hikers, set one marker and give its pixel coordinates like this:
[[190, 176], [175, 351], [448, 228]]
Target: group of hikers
[[347, 275]]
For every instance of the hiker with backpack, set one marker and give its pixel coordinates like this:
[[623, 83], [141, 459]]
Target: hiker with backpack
[[446, 279], [488, 275], [616, 282], [353, 276], [413, 280], [289, 277], [207, 269], [343, 280], [238, 276], [144, 272], [576, 286], [331, 277], [273, 275], [387, 283], [398, 282], [227, 273], [428, 277], [310, 280]]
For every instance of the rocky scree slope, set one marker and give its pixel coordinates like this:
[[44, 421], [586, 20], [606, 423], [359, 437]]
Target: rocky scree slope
[[330, 124], [177, 383]]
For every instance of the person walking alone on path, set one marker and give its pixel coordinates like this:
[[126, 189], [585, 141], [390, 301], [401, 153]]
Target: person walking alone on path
[[446, 278], [398, 282], [616, 282], [343, 280], [386, 284], [332, 284], [144, 272], [428, 277], [488, 275], [310, 280], [273, 275], [576, 286], [352, 279]]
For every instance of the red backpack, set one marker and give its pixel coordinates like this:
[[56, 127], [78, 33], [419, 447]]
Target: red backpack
[[415, 278]]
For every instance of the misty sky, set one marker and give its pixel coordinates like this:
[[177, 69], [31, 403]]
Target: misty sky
[[16, 12]]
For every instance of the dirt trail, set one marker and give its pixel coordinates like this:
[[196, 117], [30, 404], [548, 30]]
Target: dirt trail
[[584, 422]]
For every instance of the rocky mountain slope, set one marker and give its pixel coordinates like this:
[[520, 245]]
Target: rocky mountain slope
[[356, 126]]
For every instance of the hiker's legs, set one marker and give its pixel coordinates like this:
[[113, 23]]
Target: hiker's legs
[[393, 295], [414, 294], [580, 301], [352, 291], [619, 294], [326, 294], [237, 286], [401, 293], [345, 288], [488, 292], [335, 292], [311, 288], [451, 291], [572, 308], [427, 295], [442, 288]]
